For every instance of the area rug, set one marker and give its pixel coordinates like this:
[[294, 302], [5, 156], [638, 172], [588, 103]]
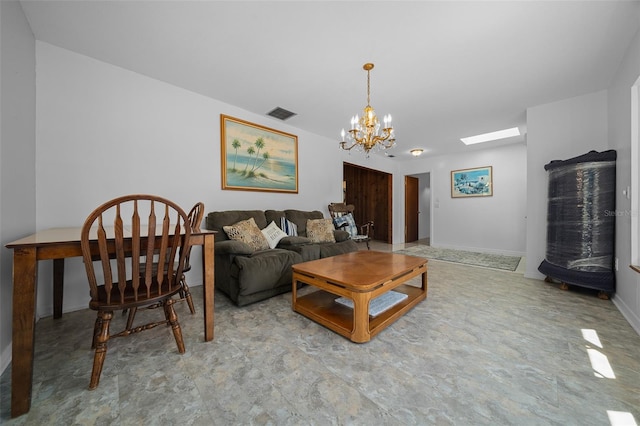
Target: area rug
[[495, 261]]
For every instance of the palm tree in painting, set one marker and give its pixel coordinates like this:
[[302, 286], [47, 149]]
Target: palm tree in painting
[[250, 151], [235, 144], [259, 144], [265, 157]]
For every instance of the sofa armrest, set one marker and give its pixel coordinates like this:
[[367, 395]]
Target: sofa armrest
[[291, 241], [340, 235], [232, 247]]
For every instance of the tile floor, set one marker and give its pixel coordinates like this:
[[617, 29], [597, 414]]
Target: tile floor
[[487, 347]]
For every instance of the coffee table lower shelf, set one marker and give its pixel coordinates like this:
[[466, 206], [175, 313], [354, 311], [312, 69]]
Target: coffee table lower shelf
[[321, 307]]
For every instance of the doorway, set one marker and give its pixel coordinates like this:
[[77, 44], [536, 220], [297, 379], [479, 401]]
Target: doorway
[[417, 208], [371, 192], [411, 209]]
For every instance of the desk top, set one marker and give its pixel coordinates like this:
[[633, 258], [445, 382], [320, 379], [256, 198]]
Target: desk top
[[362, 270], [68, 235]]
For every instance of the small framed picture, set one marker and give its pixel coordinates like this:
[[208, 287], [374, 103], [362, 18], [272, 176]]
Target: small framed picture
[[476, 182]]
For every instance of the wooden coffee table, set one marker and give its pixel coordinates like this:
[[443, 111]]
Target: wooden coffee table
[[360, 276]]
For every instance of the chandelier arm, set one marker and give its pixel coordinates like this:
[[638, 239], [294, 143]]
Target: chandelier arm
[[342, 145]]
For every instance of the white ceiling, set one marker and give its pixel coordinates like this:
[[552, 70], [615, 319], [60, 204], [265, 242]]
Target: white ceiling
[[444, 70]]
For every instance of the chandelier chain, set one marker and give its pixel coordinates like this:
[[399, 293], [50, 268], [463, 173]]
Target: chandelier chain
[[368, 87]]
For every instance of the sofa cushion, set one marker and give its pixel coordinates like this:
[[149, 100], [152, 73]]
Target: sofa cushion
[[231, 247], [328, 250], [307, 251], [274, 215], [216, 220], [286, 242], [248, 232], [300, 217], [265, 270], [320, 231], [273, 234]]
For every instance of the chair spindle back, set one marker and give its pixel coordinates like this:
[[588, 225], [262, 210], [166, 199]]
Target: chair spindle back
[[132, 244]]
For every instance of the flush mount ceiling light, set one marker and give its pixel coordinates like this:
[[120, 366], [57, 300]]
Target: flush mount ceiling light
[[493, 136], [416, 152], [365, 131]]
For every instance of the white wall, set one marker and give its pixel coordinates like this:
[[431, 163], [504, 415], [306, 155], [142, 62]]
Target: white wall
[[17, 151], [489, 224], [103, 131], [557, 131], [627, 297]]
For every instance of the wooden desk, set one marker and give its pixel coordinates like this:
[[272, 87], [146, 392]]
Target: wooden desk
[[360, 276], [58, 244]]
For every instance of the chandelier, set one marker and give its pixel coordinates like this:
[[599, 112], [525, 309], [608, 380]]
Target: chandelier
[[365, 131]]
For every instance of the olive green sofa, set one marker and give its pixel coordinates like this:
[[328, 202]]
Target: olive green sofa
[[247, 275]]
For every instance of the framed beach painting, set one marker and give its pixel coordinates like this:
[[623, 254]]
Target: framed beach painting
[[257, 158], [476, 182]]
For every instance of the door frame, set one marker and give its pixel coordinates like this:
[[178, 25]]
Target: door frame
[[423, 207], [407, 204], [370, 193]]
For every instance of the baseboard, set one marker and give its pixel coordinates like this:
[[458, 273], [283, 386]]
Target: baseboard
[[43, 312], [627, 313], [481, 250]]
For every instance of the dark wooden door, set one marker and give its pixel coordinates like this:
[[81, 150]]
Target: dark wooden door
[[370, 191], [411, 211]]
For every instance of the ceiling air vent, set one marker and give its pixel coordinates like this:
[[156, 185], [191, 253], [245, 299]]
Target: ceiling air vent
[[281, 113]]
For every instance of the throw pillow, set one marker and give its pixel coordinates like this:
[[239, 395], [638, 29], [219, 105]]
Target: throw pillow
[[273, 234], [320, 231], [289, 227], [348, 222], [248, 232]]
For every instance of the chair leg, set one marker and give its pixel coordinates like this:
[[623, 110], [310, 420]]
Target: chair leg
[[170, 314], [132, 314], [101, 338], [185, 293], [96, 330]]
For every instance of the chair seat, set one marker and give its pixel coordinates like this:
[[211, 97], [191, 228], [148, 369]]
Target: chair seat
[[129, 296]]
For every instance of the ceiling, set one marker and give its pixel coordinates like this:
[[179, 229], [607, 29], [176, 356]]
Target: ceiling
[[444, 70]]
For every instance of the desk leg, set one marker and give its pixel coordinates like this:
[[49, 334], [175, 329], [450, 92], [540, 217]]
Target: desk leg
[[209, 285], [424, 282], [294, 291], [58, 287], [25, 275], [361, 331]]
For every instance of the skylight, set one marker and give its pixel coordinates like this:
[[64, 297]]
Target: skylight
[[493, 136]]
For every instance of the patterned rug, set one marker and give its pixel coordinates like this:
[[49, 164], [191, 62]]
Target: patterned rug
[[495, 261]]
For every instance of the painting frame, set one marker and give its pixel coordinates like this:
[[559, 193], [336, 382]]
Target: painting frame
[[473, 182], [271, 154]]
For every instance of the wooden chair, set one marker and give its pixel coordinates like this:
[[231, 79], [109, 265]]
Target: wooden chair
[[195, 220], [342, 215], [113, 252]]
